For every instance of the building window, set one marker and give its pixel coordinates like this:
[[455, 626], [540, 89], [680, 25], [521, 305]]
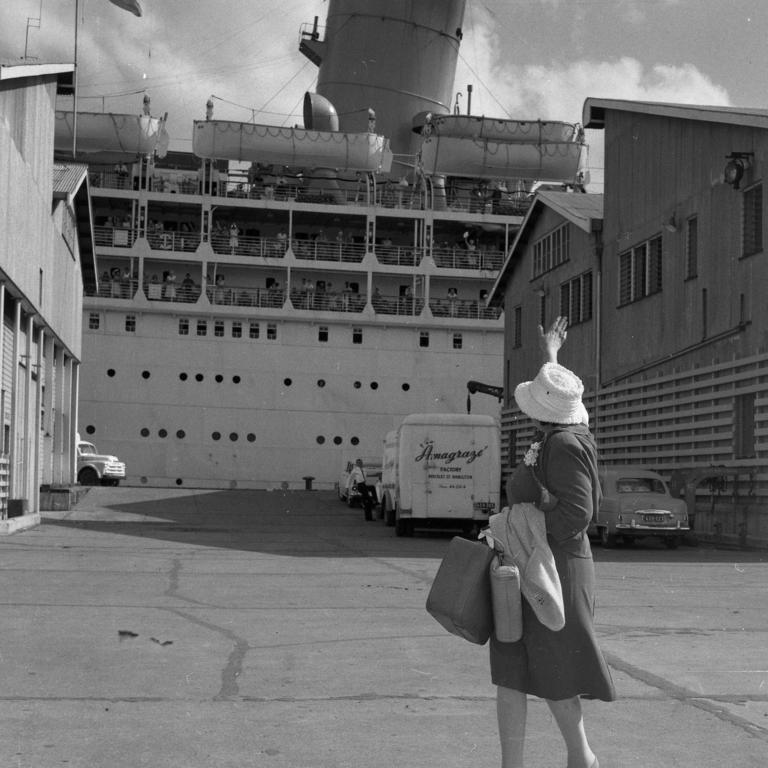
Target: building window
[[551, 251], [253, 331], [322, 333], [517, 331], [640, 271], [692, 248], [218, 328], [237, 329], [744, 426], [94, 321], [357, 335], [130, 323], [424, 339], [458, 341], [202, 328], [576, 299], [543, 309], [183, 326], [271, 331], [752, 229]]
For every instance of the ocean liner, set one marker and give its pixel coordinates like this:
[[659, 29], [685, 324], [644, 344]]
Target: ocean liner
[[274, 302]]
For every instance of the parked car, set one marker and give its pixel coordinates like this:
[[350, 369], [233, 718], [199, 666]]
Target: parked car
[[94, 468], [637, 503]]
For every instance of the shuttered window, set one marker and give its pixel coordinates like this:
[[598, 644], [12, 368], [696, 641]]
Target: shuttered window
[[692, 248], [551, 251], [640, 271], [576, 299]]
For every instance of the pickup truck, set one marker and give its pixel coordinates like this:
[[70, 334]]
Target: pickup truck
[[94, 468]]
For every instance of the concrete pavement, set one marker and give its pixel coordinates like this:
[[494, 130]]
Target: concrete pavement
[[188, 629]]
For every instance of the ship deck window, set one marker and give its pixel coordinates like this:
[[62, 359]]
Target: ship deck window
[[424, 339], [94, 321], [183, 326], [202, 328], [357, 335], [457, 341], [218, 328], [322, 333], [130, 323], [237, 329], [253, 331], [271, 331]]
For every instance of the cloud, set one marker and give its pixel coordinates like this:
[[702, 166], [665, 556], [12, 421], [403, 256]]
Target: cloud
[[557, 90]]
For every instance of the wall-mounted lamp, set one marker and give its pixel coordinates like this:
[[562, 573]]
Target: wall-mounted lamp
[[670, 224], [738, 163]]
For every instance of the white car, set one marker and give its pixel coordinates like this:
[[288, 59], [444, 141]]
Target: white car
[[637, 503], [94, 468]]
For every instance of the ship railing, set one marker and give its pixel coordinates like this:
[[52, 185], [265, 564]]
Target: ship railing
[[248, 245], [110, 179], [466, 309], [184, 292], [112, 236], [321, 250], [394, 195], [478, 201], [240, 296], [402, 256], [407, 306], [461, 258], [114, 287], [167, 240], [345, 301]]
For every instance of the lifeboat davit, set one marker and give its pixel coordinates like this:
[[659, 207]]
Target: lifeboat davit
[[109, 137], [472, 146], [226, 140]]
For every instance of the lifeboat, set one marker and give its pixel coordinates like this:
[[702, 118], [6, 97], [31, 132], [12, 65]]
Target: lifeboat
[[109, 137], [225, 140], [478, 147]]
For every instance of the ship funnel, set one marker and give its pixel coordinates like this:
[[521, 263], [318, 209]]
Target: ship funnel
[[319, 113]]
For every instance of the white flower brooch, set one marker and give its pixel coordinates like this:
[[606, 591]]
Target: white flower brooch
[[532, 455]]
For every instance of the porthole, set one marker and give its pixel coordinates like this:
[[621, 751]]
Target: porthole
[[145, 432], [321, 383], [219, 378], [199, 377], [233, 436], [162, 433], [287, 382], [90, 429], [216, 435], [320, 439], [354, 440], [374, 385], [251, 438], [110, 371], [143, 480], [183, 376], [145, 374], [358, 384], [406, 386], [179, 481], [235, 379], [337, 440], [181, 434]]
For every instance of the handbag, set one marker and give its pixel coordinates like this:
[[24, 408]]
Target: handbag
[[460, 596]]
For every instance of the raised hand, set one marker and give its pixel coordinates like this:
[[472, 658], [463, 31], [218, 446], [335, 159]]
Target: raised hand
[[554, 338]]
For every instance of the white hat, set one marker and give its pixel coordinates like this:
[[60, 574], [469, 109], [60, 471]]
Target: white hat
[[554, 396]]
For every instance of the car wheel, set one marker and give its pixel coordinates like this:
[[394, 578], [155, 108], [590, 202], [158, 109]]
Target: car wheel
[[88, 476], [608, 540]]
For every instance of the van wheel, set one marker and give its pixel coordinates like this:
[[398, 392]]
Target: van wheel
[[403, 527], [389, 514], [367, 512], [608, 540], [88, 476]]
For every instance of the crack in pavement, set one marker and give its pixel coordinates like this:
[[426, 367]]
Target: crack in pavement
[[687, 696]]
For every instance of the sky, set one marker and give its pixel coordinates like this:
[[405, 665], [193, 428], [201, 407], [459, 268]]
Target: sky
[[525, 59]]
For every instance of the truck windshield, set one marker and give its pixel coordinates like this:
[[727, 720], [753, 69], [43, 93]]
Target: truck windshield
[[87, 449]]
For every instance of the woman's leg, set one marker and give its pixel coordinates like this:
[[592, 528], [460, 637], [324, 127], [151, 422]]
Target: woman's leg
[[567, 714], [511, 711]]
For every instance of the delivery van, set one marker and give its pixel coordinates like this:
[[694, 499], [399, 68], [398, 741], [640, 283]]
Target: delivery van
[[441, 470]]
